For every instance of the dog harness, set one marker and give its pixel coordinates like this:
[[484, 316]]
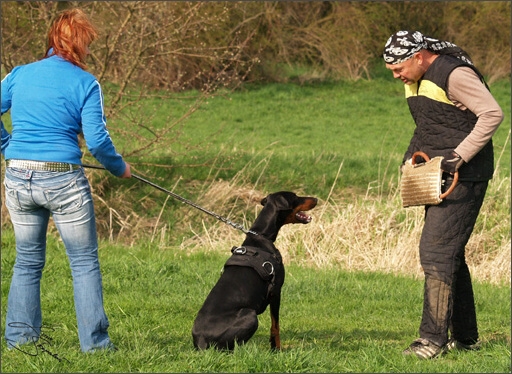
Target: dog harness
[[263, 262]]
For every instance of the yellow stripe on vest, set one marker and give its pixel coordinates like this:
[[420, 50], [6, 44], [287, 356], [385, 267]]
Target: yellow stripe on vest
[[428, 89]]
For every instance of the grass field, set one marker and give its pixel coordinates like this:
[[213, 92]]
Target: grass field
[[298, 136], [332, 320], [353, 294]]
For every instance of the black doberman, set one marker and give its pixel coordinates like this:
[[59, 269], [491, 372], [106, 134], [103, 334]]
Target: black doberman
[[251, 280]]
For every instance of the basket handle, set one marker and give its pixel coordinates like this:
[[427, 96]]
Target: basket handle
[[455, 175]]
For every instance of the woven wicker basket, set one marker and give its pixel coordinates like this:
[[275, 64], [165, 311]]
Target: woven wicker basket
[[421, 183]]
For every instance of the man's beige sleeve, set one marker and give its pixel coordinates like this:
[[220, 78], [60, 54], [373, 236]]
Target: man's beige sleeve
[[466, 91]]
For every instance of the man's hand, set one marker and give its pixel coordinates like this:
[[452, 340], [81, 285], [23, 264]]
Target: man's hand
[[451, 162]]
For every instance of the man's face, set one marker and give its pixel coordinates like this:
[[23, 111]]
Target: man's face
[[409, 71]]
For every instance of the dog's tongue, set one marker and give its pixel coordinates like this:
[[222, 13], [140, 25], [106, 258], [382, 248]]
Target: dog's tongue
[[303, 217]]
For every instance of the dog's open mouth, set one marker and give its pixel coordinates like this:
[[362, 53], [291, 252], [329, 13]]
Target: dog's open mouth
[[303, 217]]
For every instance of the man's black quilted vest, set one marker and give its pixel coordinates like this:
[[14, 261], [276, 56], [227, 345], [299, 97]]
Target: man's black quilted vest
[[440, 125]]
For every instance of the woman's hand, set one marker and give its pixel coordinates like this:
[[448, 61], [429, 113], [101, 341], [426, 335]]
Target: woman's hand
[[127, 172]]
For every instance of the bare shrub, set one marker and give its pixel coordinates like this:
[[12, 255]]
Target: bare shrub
[[328, 37], [483, 29], [180, 45], [143, 46], [24, 28]]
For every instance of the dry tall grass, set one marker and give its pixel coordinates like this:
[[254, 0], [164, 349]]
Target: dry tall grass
[[366, 234], [354, 232]]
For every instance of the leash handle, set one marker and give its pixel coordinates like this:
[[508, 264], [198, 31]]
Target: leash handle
[[182, 199]]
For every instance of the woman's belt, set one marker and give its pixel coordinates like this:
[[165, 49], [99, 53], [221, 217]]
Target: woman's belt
[[41, 165]]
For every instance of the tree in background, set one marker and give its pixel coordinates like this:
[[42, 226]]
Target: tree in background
[[183, 45]]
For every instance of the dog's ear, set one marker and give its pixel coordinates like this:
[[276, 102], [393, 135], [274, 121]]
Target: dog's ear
[[280, 200], [284, 201]]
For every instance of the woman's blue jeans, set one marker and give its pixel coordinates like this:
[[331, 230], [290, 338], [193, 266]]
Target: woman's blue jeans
[[31, 198]]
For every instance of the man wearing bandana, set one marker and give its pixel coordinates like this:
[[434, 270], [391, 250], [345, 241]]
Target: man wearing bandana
[[455, 116]]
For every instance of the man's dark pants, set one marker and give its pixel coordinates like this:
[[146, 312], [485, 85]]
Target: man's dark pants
[[448, 303]]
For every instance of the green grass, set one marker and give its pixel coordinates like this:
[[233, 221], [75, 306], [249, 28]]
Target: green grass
[[304, 133], [332, 320]]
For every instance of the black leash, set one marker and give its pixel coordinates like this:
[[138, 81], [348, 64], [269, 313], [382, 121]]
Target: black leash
[[182, 199]]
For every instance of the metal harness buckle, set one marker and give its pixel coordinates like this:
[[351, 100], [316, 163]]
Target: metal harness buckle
[[239, 250]]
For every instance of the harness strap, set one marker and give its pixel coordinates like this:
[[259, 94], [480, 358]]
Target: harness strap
[[263, 262]]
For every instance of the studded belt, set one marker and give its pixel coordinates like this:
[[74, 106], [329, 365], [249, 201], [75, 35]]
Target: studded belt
[[41, 165]]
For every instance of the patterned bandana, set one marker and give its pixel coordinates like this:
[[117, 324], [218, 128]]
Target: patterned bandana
[[402, 45]]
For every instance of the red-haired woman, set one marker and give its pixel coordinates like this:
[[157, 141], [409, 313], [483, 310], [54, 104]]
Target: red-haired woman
[[51, 101]]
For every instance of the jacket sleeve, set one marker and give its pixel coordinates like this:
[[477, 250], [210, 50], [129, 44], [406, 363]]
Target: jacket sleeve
[[6, 105], [466, 91], [6, 137], [97, 137]]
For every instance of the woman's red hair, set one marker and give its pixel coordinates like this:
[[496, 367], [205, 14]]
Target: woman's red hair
[[70, 35]]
